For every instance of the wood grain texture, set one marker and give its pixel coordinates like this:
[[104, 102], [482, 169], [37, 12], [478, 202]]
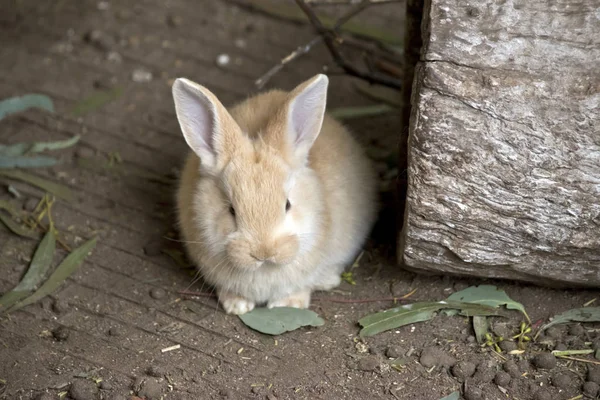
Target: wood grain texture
[[504, 147]]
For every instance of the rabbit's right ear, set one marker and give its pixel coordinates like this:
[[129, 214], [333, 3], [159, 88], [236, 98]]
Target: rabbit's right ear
[[206, 125]]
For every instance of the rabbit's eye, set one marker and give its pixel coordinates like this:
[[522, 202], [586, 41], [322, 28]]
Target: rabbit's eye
[[232, 211], [288, 205]]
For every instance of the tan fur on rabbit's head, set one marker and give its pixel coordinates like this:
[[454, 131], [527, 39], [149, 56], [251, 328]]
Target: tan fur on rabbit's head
[[257, 202]]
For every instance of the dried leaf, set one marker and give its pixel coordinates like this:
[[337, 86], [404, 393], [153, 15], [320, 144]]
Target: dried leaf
[[62, 272], [452, 396], [344, 113], [586, 314], [96, 100], [38, 268], [416, 312], [488, 295], [27, 162], [17, 228], [278, 320], [480, 327], [50, 187], [17, 104]]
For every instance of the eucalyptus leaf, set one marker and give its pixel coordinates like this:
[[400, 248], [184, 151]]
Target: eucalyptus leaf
[[452, 396], [26, 162], [56, 189], [17, 104], [17, 149], [344, 113], [37, 147], [416, 312], [17, 228], [585, 314], [278, 320], [62, 272], [38, 268], [488, 295], [480, 327]]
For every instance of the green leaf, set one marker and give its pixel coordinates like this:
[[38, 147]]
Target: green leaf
[[343, 113], [95, 101], [27, 162], [416, 312], [38, 268], [480, 327], [585, 314], [278, 320], [488, 295], [17, 228], [56, 189], [62, 272], [452, 396], [17, 104], [20, 149]]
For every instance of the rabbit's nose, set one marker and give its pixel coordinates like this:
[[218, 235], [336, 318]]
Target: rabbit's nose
[[262, 255]]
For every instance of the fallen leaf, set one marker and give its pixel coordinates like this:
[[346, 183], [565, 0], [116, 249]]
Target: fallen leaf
[[95, 101], [17, 104], [49, 186], [452, 396], [278, 320], [344, 113], [20, 149], [480, 327], [17, 228], [416, 312], [38, 268], [488, 295], [62, 272], [27, 162], [586, 314]]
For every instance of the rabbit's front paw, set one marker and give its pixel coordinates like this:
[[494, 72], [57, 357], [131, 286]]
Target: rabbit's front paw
[[296, 300], [234, 304]]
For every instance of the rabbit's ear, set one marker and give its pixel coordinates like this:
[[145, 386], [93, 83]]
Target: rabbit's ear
[[207, 126], [305, 113]]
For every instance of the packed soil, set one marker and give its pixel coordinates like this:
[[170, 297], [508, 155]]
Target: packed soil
[[110, 331]]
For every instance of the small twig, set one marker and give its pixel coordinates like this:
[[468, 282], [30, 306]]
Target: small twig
[[329, 36], [579, 359]]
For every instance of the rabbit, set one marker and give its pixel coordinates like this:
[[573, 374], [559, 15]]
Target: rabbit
[[276, 197]]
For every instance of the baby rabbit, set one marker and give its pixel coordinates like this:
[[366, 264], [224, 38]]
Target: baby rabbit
[[276, 197]]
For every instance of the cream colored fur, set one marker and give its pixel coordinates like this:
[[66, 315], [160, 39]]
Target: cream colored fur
[[263, 254]]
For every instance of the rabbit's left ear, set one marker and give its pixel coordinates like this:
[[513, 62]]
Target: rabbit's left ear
[[305, 113]]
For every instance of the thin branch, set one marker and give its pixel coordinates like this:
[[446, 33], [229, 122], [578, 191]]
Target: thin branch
[[329, 38]]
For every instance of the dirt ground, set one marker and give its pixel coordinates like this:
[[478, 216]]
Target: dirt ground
[[101, 335]]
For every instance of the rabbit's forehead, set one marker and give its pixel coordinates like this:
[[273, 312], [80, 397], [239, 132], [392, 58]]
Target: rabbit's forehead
[[265, 175]]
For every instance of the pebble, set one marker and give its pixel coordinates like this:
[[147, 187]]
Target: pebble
[[507, 345], [394, 352], [542, 394], [83, 390], [593, 375], [576, 330], [99, 40], [150, 389], [115, 331], [554, 332], [158, 293], [511, 367], [114, 57], [141, 75], [223, 60], [368, 364], [502, 379], [484, 374], [61, 333], [434, 356], [226, 393], [30, 204], [473, 393], [156, 371], [560, 347], [104, 385], [256, 390], [60, 306], [84, 152], [545, 361], [561, 381], [174, 20], [271, 396], [240, 43], [463, 370], [590, 389], [523, 365]]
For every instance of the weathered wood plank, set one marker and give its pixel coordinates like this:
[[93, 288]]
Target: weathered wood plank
[[504, 148]]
